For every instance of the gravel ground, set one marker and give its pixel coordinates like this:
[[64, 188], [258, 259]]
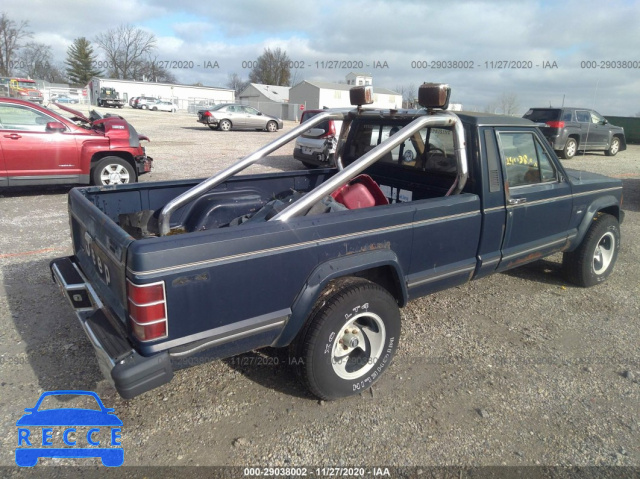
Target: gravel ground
[[517, 369]]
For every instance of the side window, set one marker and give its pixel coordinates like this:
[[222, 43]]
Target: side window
[[583, 116], [526, 161], [566, 116], [15, 117], [595, 118]]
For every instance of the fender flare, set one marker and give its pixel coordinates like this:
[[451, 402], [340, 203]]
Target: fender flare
[[332, 269], [594, 208]]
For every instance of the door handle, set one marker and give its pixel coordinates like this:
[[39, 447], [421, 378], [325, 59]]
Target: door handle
[[516, 201], [13, 136]]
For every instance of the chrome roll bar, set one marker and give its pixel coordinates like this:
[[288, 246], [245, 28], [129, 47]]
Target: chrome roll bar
[[165, 215], [439, 119]]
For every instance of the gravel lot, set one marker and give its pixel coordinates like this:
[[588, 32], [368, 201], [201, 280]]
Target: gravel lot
[[516, 369]]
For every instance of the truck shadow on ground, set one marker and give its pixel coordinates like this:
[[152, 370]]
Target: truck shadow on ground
[[542, 271], [21, 191], [271, 368], [56, 347]]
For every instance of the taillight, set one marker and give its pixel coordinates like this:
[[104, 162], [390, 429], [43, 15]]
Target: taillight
[[331, 131], [147, 307], [555, 124], [206, 113]]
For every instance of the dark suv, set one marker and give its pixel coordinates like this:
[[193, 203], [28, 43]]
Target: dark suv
[[571, 129]]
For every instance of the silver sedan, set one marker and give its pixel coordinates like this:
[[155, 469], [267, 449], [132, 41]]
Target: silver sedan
[[227, 116]]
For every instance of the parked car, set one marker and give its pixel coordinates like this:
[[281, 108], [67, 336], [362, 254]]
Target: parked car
[[144, 102], [64, 99], [41, 147], [162, 105], [317, 146], [132, 101], [569, 130], [231, 115]]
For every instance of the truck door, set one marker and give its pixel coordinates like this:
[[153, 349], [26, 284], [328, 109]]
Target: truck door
[[538, 199], [30, 151], [599, 132]]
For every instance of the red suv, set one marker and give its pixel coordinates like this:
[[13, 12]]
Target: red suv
[[41, 147]]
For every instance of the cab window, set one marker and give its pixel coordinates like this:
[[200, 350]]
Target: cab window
[[525, 159]]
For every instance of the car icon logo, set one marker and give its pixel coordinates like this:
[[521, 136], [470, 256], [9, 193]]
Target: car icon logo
[[74, 427]]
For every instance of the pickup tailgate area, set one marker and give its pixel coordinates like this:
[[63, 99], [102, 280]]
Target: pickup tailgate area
[[100, 247]]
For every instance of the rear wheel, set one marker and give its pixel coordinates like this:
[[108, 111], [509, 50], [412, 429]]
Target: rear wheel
[[155, 108], [570, 149], [112, 170], [614, 147], [272, 126], [224, 125], [596, 256], [350, 339]]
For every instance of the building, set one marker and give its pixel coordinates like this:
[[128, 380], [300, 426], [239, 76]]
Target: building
[[316, 95], [359, 79], [186, 97], [257, 92]]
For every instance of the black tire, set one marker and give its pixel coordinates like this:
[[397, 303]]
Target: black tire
[[614, 148], [112, 170], [596, 256], [349, 340], [570, 149], [212, 127], [272, 126], [224, 125], [155, 108]]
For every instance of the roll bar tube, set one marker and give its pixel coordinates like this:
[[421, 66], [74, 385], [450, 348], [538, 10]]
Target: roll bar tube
[[439, 119], [165, 215]]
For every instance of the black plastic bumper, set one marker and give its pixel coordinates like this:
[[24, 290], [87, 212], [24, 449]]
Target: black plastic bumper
[[129, 372]]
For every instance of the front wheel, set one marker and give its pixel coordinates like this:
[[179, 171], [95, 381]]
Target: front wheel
[[272, 126], [594, 259], [155, 108], [350, 340], [225, 125], [112, 170], [614, 147]]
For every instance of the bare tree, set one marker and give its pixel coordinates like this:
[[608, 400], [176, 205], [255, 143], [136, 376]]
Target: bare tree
[[509, 103], [152, 70], [11, 33], [409, 95], [126, 49], [272, 68], [236, 83]]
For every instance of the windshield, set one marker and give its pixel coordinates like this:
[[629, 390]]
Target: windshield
[[26, 84]]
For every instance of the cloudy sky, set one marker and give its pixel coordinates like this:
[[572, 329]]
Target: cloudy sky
[[498, 46]]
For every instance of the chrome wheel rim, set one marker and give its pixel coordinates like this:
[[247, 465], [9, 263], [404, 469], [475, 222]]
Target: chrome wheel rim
[[225, 125], [114, 175], [615, 145], [571, 148], [358, 345], [604, 253], [271, 126]]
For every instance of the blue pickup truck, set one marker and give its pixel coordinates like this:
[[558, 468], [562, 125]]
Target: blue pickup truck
[[321, 261]]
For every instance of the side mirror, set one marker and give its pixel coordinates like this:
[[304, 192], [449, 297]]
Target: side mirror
[[55, 126], [259, 113], [315, 132], [605, 121]]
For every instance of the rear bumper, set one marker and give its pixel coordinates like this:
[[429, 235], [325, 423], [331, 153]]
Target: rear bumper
[[129, 372]]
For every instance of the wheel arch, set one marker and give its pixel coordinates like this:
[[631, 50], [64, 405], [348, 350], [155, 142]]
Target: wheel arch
[[128, 157], [380, 267], [605, 205]]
